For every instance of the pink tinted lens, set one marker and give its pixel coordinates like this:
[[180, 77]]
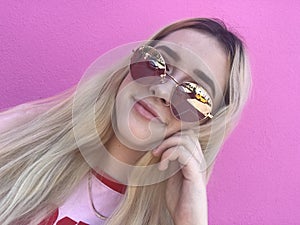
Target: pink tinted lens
[[144, 69], [182, 109]]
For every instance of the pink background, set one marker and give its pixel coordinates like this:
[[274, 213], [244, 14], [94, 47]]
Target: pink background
[[45, 46]]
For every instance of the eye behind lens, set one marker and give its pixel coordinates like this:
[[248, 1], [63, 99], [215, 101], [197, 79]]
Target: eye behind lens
[[153, 64]]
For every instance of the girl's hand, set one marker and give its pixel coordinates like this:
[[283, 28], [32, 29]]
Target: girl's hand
[[186, 190]]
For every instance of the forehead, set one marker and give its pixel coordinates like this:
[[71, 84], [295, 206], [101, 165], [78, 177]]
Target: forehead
[[208, 49]]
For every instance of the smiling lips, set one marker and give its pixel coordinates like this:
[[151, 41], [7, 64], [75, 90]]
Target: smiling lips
[[146, 110]]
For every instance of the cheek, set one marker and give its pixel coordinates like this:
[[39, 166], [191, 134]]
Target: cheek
[[132, 130], [125, 82], [221, 90], [176, 126]]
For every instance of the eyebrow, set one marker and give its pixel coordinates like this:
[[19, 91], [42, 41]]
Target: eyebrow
[[169, 51], [198, 72]]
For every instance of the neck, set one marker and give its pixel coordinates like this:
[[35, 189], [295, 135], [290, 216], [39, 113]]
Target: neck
[[121, 152]]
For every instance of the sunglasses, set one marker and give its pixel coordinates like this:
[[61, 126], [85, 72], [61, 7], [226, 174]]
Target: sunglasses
[[189, 101]]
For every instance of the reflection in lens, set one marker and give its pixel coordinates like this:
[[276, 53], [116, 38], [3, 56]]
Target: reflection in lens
[[182, 109]]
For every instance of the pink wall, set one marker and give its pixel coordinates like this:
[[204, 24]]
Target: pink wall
[[45, 46]]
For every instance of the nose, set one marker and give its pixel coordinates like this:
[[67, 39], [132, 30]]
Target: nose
[[164, 90]]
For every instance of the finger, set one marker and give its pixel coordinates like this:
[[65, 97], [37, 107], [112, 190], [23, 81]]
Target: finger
[[189, 144], [175, 140], [179, 154]]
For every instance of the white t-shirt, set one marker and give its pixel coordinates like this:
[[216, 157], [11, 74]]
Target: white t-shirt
[[77, 210]]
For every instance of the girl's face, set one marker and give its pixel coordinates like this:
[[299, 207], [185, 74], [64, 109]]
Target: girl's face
[[143, 115]]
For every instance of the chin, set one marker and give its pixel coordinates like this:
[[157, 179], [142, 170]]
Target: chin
[[138, 133]]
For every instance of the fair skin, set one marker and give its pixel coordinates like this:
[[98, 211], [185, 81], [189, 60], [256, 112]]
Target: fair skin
[[186, 190]]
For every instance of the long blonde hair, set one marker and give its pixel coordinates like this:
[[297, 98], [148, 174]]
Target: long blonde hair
[[40, 163]]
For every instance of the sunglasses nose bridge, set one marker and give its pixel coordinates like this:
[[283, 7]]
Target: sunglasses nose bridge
[[167, 77]]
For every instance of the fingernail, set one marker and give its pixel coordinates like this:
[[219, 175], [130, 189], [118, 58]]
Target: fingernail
[[155, 151], [162, 166]]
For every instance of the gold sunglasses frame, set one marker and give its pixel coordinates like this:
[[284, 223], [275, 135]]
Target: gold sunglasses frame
[[201, 95]]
